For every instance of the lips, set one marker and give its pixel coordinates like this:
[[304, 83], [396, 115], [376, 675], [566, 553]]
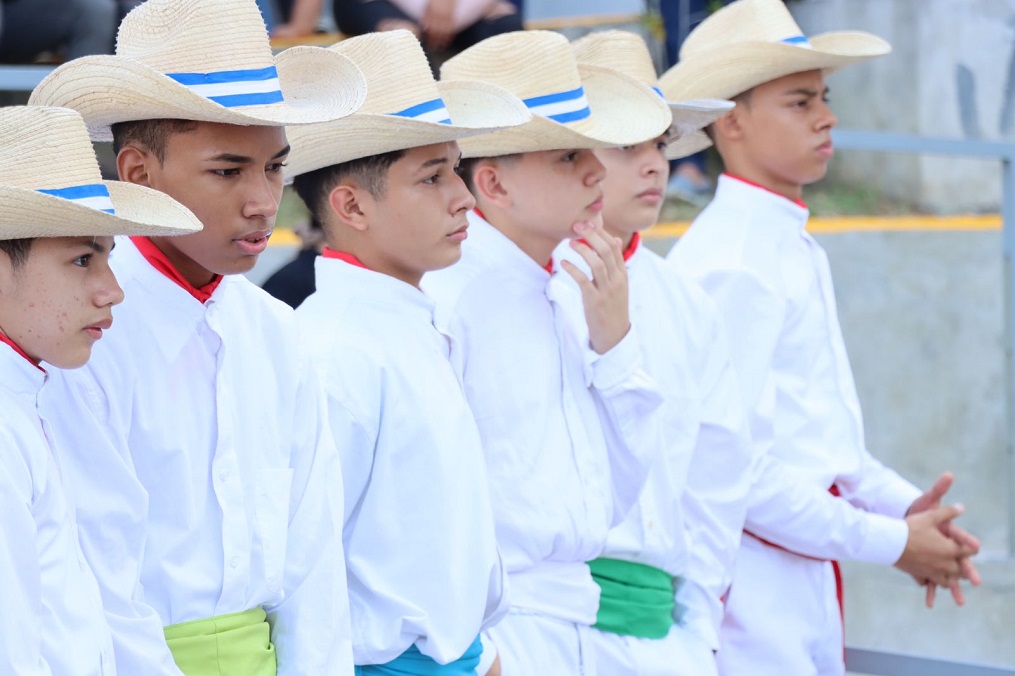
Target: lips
[[597, 205], [95, 330], [459, 234], [826, 149], [651, 195], [253, 243]]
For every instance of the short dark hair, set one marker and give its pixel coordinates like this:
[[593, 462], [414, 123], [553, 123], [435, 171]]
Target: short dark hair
[[467, 167], [152, 135], [17, 250], [743, 98], [371, 173]]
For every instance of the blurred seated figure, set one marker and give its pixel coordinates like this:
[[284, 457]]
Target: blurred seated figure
[[441, 25], [68, 28]]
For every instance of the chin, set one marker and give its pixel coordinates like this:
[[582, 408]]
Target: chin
[[70, 359]]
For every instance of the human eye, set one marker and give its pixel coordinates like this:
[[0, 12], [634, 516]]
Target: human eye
[[226, 173], [276, 167], [570, 157], [662, 145], [83, 261]]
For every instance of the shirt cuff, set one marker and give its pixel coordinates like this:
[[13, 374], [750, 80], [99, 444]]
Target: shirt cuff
[[897, 502], [885, 540], [605, 371]]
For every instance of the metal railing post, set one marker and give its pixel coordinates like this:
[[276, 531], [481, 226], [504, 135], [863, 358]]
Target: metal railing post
[[1008, 246]]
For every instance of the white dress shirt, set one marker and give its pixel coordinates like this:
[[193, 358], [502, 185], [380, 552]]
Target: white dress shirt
[[422, 560], [51, 618], [689, 518], [208, 420], [772, 284], [557, 420]]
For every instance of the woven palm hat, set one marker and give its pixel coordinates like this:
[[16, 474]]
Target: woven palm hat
[[574, 106], [404, 107], [750, 42], [50, 185], [627, 53], [204, 60]]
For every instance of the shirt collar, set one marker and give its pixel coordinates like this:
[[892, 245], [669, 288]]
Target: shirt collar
[[161, 262], [17, 349], [21, 375], [632, 246], [762, 202], [484, 236], [344, 276]]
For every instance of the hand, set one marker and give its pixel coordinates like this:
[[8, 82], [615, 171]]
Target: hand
[[930, 555], [931, 499], [605, 295], [495, 667], [438, 23]]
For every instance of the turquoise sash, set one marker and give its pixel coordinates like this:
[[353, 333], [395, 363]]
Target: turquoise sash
[[414, 663]]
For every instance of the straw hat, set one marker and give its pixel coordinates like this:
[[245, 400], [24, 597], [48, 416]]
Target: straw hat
[[50, 184], [573, 105], [404, 108], [750, 42], [205, 60], [627, 53]]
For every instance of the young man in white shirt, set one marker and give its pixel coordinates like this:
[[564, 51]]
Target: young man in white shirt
[[772, 284], [425, 576], [207, 472], [666, 567], [554, 414], [57, 221]]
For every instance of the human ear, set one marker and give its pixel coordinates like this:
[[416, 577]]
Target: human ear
[[729, 125], [351, 205], [488, 181], [133, 165]]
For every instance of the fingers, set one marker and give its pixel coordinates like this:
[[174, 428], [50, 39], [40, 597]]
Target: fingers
[[604, 244], [956, 589], [942, 515], [967, 540], [583, 282], [968, 571], [941, 486], [598, 267], [931, 593]]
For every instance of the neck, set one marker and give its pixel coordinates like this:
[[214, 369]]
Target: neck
[[375, 263], [624, 236], [534, 245], [791, 191], [192, 271]]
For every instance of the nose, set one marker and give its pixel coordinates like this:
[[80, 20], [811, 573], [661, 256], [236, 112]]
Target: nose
[[108, 292], [462, 200], [595, 171], [656, 162], [264, 193], [827, 119]]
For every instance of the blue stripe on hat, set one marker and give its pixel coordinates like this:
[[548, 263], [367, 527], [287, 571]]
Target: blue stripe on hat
[[93, 195], [429, 111], [234, 88], [563, 107], [800, 40]]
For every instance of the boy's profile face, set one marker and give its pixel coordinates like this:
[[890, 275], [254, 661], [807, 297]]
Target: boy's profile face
[[785, 127], [635, 185], [231, 178], [418, 223], [60, 301], [552, 190]]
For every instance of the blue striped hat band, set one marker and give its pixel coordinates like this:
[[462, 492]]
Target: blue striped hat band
[[430, 111], [562, 107], [234, 88], [94, 196], [797, 41]]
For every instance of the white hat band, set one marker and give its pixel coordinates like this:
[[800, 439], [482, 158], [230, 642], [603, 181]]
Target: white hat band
[[430, 111], [562, 107], [234, 88], [93, 196]]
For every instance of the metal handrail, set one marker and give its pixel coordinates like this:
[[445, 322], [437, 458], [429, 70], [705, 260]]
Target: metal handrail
[[878, 663]]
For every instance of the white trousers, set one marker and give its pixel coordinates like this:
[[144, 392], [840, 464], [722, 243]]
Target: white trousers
[[531, 644], [680, 653], [782, 616]]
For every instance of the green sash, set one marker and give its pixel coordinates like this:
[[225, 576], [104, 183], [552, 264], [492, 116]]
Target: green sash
[[238, 644], [636, 600]]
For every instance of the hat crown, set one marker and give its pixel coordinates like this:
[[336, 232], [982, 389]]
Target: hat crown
[[397, 72], [621, 51], [739, 22], [44, 148], [196, 36], [528, 64]]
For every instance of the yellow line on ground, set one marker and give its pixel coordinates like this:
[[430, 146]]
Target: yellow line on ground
[[841, 224]]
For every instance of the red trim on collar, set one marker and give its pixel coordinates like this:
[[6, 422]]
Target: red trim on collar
[[161, 262], [17, 348], [632, 246], [480, 213], [799, 203], [342, 256]]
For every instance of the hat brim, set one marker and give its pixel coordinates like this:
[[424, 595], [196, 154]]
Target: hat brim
[[474, 107], [624, 112], [725, 72], [318, 85], [689, 118], [139, 211]]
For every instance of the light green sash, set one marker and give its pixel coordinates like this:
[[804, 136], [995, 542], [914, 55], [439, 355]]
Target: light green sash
[[636, 600], [238, 644]]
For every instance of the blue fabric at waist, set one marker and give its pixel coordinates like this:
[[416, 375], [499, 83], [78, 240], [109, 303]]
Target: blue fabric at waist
[[414, 663]]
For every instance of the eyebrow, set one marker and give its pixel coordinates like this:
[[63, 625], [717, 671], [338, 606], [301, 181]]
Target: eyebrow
[[804, 91], [433, 162], [243, 159]]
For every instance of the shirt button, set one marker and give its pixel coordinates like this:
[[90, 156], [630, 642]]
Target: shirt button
[[235, 562]]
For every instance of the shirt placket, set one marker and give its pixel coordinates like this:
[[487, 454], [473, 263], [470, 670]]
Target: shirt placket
[[227, 483]]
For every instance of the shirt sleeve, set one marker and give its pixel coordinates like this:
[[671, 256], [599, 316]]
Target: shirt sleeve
[[21, 600], [715, 499], [878, 489], [310, 627], [112, 508]]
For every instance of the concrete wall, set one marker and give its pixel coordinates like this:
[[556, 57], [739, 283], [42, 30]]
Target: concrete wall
[[951, 74]]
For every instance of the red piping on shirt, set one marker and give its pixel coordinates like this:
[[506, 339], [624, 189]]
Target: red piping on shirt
[[342, 256], [17, 348], [799, 203], [161, 262]]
